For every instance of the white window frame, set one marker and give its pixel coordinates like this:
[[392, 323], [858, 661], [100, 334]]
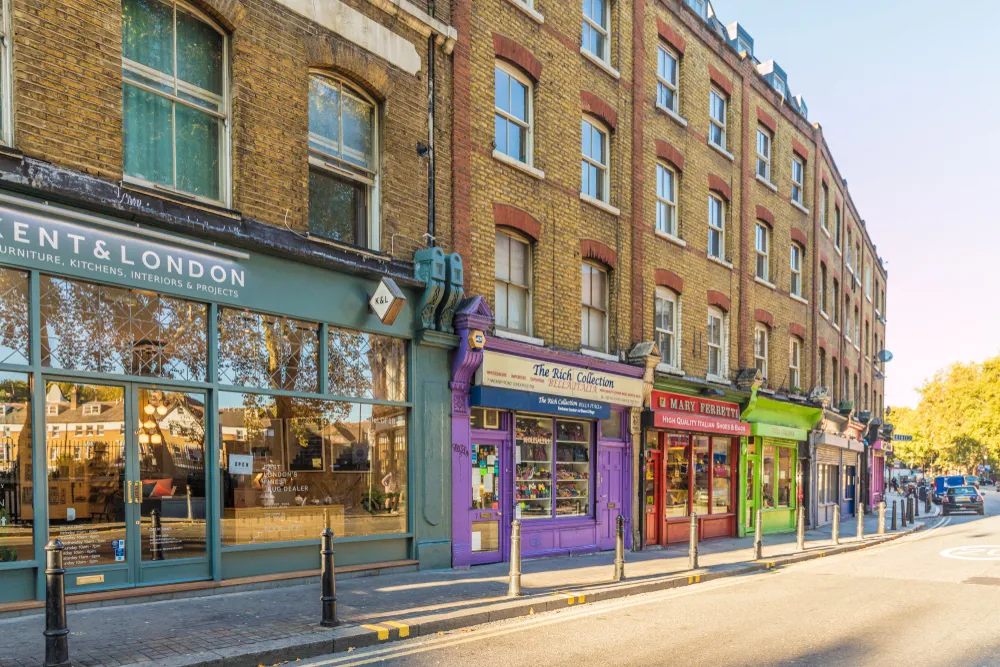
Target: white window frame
[[824, 193], [720, 348], [847, 317], [698, 6], [672, 86], [762, 236], [514, 238], [798, 186], [794, 363], [225, 103], [604, 27], [760, 339], [868, 281], [836, 302], [720, 229], [720, 123], [857, 327], [764, 158], [838, 227], [779, 85], [795, 266], [848, 258], [603, 168], [587, 307], [667, 205], [371, 179], [664, 294], [529, 113], [741, 45]]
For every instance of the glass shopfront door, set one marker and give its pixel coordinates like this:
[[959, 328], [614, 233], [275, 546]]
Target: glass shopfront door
[[126, 482], [751, 500], [488, 528]]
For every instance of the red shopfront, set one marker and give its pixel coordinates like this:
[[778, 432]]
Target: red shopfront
[[692, 446]]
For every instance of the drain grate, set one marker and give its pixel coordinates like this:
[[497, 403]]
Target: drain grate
[[983, 581]]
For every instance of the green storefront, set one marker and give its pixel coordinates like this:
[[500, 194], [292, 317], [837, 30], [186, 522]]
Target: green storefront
[[770, 471], [176, 409]]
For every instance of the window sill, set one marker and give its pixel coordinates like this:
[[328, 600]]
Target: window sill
[[761, 281], [530, 11], [604, 206], [517, 164], [856, 348], [673, 114], [799, 206], [825, 231], [868, 298], [836, 326], [178, 197], [721, 262], [799, 298], [717, 379], [839, 252], [519, 337], [598, 355], [669, 370], [594, 58], [824, 316], [670, 237], [768, 184], [720, 150]]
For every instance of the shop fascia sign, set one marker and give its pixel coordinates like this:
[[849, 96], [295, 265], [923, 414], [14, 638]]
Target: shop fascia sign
[[778, 431], [526, 401], [663, 400], [387, 301], [555, 379], [691, 413], [117, 252]]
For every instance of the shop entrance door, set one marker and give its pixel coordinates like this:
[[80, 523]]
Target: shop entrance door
[[653, 479], [126, 483], [610, 462], [750, 468], [850, 487], [490, 470]]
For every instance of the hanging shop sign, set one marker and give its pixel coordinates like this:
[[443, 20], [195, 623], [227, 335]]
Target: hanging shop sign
[[554, 379], [387, 301], [526, 401], [117, 252], [777, 431]]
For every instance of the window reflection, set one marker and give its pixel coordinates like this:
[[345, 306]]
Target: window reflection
[[268, 351], [366, 365], [289, 466], [13, 317], [16, 488], [104, 329]]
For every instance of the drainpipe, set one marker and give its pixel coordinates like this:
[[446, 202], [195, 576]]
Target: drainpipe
[[431, 241]]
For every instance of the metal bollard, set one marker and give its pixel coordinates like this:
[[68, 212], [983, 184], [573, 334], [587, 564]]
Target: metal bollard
[[893, 526], [514, 590], [861, 521], [758, 536], [927, 503], [620, 549], [56, 633], [881, 518], [909, 510], [916, 507], [902, 514], [800, 528], [693, 543], [835, 529], [156, 545], [328, 593]]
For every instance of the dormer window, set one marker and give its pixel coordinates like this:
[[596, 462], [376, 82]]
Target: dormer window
[[779, 85], [698, 6], [742, 46], [52, 409], [92, 409]]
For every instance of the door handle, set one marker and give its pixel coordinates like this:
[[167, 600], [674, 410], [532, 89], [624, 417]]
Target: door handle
[[138, 492], [128, 493]]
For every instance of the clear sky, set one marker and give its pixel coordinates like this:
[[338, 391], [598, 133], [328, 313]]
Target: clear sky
[[907, 93]]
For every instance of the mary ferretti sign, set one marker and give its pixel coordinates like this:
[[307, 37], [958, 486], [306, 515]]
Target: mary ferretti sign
[[545, 377], [137, 259], [690, 413]]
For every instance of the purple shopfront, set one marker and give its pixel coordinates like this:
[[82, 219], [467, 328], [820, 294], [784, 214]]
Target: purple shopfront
[[538, 435]]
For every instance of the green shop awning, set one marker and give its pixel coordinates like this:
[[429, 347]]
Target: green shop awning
[[780, 419]]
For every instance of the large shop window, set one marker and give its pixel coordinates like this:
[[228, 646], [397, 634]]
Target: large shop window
[[544, 445], [290, 465], [175, 100], [14, 340], [104, 329], [697, 475], [343, 174], [827, 483], [776, 477], [267, 351], [16, 487]]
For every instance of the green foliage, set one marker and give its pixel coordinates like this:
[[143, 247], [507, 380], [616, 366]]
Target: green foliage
[[957, 421]]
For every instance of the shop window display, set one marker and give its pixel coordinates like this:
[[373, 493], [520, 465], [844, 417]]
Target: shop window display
[[676, 479], [784, 478], [542, 446], [721, 475], [485, 477], [13, 316], [267, 351], [702, 472], [767, 477]]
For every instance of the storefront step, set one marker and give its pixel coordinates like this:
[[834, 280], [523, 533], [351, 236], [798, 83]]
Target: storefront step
[[205, 588]]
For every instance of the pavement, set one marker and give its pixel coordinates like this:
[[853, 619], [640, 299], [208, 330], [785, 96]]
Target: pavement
[[269, 626]]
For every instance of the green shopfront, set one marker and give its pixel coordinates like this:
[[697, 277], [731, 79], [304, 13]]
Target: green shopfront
[[770, 468], [177, 410]]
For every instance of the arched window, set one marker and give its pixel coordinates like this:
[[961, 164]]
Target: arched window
[[594, 161], [795, 363], [666, 199], [343, 162], [512, 122], [175, 99], [716, 339], [512, 283], [795, 264], [594, 309]]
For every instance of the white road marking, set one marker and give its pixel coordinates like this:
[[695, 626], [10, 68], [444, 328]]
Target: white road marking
[[973, 552]]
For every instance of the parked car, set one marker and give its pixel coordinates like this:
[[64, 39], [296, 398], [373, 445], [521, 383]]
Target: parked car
[[942, 482], [972, 480], [962, 499]]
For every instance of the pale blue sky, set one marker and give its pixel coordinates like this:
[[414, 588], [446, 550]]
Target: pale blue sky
[[907, 94]]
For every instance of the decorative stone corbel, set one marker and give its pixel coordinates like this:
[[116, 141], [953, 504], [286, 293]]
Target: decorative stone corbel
[[454, 291], [429, 267]]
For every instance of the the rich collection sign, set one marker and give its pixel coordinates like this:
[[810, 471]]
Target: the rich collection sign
[[529, 401], [545, 377], [43, 242]]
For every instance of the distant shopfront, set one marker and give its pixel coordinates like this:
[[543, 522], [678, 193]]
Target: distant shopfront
[[177, 410], [770, 470], [547, 442], [833, 476], [691, 448]]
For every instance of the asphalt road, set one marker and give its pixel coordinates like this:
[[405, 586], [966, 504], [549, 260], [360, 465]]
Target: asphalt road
[[911, 602]]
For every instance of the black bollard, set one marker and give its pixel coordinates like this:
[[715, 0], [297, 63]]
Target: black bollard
[[909, 510], [893, 515], [927, 504], [916, 507], [620, 548], [56, 633], [156, 545], [328, 595], [902, 514]]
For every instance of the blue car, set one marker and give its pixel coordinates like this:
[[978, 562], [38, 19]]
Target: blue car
[[942, 483]]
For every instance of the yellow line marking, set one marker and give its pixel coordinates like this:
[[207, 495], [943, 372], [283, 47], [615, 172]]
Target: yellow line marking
[[690, 580], [383, 633], [404, 629], [581, 599]]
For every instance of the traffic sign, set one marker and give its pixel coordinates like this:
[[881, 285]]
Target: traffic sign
[[900, 437]]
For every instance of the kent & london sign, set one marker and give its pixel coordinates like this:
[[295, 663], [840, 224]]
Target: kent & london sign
[[44, 242]]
